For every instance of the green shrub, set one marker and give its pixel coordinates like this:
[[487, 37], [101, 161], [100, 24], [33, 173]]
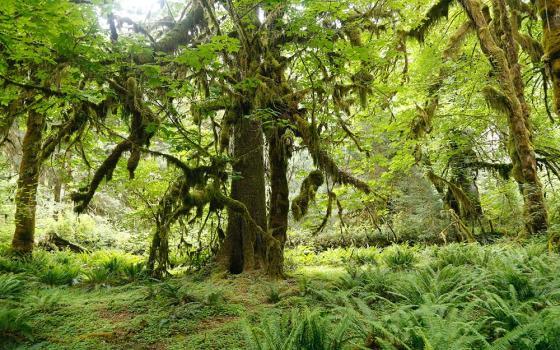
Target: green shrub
[[502, 315], [365, 256], [273, 294], [47, 301], [134, 271], [399, 257], [508, 276], [214, 298], [10, 265], [371, 284], [170, 293], [14, 324], [458, 254], [299, 330], [11, 287], [114, 265], [448, 286], [424, 328], [56, 275], [38, 261], [97, 275]]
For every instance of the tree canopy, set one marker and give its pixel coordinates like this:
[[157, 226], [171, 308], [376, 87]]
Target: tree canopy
[[228, 96]]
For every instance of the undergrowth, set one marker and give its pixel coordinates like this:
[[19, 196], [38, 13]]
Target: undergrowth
[[460, 296]]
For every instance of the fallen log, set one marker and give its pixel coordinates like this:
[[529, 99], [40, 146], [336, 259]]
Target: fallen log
[[54, 242]]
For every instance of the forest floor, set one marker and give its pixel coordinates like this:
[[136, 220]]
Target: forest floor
[[494, 290]]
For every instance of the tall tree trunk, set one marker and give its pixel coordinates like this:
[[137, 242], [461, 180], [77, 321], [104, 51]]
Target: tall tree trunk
[[279, 154], [549, 11], [498, 45], [26, 195], [243, 248]]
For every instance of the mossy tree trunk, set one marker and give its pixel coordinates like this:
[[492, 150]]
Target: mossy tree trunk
[[549, 11], [463, 175], [243, 248], [278, 153], [26, 201], [497, 42]]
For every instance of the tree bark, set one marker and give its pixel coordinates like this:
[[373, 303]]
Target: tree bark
[[498, 45], [26, 195], [243, 248]]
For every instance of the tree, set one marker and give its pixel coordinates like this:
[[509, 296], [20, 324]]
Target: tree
[[55, 108], [498, 42], [548, 11]]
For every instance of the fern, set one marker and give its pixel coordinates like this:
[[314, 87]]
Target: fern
[[97, 276], [300, 330], [399, 257], [45, 302], [450, 285], [14, 324], [134, 271], [55, 275], [11, 287]]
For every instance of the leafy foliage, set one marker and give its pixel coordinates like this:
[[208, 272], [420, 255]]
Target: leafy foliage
[[302, 329]]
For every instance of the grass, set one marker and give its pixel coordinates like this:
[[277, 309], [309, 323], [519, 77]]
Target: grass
[[501, 296]]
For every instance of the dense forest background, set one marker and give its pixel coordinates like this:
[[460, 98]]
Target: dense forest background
[[279, 174]]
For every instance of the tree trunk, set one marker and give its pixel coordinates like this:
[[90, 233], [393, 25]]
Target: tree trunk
[[464, 177], [498, 45], [549, 11], [279, 154], [243, 248], [26, 195]]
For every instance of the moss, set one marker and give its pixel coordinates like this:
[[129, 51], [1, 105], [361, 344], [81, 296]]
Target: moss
[[438, 11], [308, 189]]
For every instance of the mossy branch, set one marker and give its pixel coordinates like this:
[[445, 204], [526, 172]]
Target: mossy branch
[[309, 186], [433, 16], [464, 201], [322, 159]]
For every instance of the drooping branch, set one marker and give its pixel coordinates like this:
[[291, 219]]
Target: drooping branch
[[184, 31], [105, 171], [142, 127], [75, 123], [434, 14], [322, 159], [309, 186]]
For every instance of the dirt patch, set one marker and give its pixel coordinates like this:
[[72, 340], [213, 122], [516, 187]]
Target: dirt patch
[[214, 322], [116, 316]]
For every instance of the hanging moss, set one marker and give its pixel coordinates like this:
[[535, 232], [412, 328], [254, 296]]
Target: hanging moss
[[308, 189], [434, 14], [141, 131], [496, 100]]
